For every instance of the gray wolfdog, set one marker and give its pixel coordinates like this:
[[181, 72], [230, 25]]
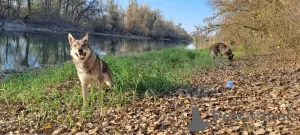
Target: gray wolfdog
[[222, 49], [91, 70]]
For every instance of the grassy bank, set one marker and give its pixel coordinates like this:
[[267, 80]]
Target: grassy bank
[[152, 72]]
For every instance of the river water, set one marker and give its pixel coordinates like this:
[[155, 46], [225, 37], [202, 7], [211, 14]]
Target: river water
[[28, 49]]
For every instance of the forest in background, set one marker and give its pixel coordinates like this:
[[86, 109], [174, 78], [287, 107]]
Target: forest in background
[[104, 16], [256, 24]]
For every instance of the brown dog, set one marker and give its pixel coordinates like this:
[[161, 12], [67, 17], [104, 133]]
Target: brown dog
[[222, 49], [91, 69]]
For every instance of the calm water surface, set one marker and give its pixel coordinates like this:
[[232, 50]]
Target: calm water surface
[[25, 49]]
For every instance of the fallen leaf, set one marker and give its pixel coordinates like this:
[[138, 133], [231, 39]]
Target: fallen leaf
[[47, 126], [260, 132]]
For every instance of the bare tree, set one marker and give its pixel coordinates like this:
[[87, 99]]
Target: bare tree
[[265, 23], [101, 15]]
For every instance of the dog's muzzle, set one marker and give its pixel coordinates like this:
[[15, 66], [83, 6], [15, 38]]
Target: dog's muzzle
[[81, 55]]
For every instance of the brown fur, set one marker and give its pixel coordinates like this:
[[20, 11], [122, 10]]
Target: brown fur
[[222, 49], [91, 69]]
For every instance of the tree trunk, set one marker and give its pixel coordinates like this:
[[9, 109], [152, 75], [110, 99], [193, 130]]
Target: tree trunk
[[19, 7], [67, 7], [59, 7], [8, 8], [29, 6]]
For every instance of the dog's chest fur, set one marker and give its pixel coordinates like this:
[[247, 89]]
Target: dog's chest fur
[[87, 77], [87, 72]]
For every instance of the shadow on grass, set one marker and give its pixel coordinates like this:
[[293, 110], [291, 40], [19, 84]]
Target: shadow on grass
[[154, 85], [163, 88]]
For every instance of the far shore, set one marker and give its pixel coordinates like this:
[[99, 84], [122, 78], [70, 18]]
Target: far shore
[[20, 26]]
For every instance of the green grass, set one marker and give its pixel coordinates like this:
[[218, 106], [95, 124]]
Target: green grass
[[239, 51], [152, 72]]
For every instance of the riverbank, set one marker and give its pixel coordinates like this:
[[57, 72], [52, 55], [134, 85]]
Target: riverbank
[[258, 87], [51, 97]]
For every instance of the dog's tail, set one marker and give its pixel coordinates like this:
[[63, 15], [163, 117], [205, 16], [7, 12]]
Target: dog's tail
[[107, 73]]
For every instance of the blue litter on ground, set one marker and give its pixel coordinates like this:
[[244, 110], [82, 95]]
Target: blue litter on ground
[[229, 84]]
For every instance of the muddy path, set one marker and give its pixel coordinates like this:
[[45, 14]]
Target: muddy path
[[266, 83]]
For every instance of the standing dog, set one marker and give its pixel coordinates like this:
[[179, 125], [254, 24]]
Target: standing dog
[[91, 70], [222, 49]]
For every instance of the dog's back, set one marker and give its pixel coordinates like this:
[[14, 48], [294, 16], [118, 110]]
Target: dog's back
[[222, 49]]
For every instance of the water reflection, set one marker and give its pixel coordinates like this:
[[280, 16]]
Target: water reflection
[[36, 49]]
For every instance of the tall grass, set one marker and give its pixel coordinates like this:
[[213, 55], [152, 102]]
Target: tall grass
[[156, 71], [152, 72]]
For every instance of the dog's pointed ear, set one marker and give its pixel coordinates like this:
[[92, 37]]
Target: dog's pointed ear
[[71, 39], [85, 38]]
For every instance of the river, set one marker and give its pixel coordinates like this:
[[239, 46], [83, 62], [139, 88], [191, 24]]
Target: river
[[32, 49]]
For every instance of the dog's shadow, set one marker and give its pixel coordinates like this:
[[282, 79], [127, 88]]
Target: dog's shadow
[[161, 87], [153, 84]]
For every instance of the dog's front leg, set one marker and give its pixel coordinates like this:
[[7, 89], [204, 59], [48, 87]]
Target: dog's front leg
[[84, 93], [99, 86]]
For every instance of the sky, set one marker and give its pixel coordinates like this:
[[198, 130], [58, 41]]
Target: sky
[[186, 12]]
